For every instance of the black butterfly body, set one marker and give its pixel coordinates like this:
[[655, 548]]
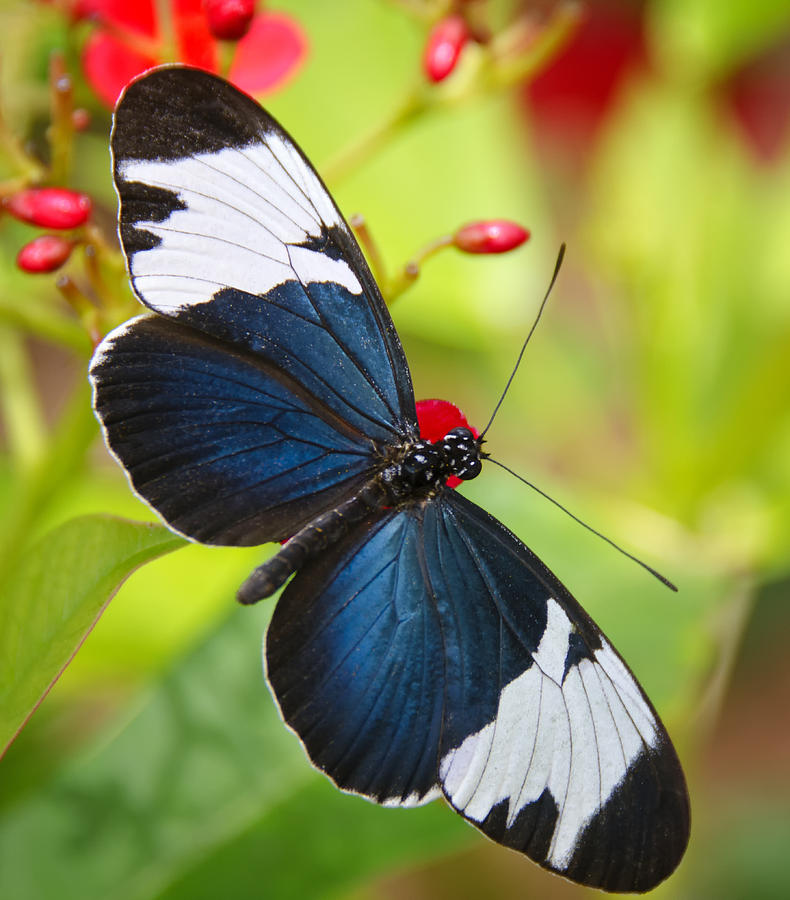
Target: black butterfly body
[[420, 649]]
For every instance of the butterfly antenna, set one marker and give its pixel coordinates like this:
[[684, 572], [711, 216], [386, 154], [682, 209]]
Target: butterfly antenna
[[644, 565], [557, 266]]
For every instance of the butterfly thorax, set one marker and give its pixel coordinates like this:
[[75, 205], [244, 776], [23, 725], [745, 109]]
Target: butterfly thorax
[[425, 466]]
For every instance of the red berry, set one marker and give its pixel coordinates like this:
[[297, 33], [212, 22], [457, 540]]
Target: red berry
[[44, 254], [443, 49], [49, 207], [492, 236], [229, 20]]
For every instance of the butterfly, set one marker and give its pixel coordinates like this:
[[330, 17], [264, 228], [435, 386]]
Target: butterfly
[[419, 649]]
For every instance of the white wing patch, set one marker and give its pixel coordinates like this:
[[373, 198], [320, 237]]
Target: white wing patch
[[246, 211], [414, 799], [576, 736]]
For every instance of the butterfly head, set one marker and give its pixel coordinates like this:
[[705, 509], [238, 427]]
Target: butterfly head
[[461, 452]]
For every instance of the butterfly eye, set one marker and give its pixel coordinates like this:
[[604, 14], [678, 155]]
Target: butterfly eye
[[468, 469], [461, 454]]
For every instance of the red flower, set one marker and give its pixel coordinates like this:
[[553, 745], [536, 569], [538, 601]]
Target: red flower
[[44, 254], [570, 100], [49, 207], [490, 236], [129, 39], [435, 418], [758, 97]]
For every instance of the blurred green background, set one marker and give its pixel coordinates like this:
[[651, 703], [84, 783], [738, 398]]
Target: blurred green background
[[653, 401]]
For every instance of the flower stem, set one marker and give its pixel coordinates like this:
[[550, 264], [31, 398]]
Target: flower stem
[[61, 131], [514, 56], [412, 107], [30, 170], [24, 423], [411, 271], [34, 492], [371, 248], [521, 52], [732, 619]]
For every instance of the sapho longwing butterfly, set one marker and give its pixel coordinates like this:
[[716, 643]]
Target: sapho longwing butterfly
[[420, 649]]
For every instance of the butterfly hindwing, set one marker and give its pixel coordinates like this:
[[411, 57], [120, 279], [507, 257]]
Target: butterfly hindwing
[[228, 229], [432, 648], [223, 445], [354, 657], [573, 766]]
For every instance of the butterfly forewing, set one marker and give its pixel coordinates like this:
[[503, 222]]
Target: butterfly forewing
[[228, 229], [224, 447], [264, 393], [432, 647]]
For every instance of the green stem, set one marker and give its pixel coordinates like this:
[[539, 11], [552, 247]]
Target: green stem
[[518, 57], [411, 271], [30, 170], [166, 30], [411, 108], [371, 248], [24, 423], [61, 131], [35, 491], [50, 326], [514, 57], [730, 625]]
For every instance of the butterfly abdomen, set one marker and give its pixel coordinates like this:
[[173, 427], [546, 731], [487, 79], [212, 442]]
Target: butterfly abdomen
[[417, 469], [324, 530]]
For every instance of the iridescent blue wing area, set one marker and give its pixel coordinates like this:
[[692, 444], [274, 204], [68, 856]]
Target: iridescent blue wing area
[[431, 650], [269, 311], [355, 659], [218, 441]]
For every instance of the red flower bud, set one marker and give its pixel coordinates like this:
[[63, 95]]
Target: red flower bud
[[49, 207], [44, 254], [443, 49], [492, 236], [229, 20]]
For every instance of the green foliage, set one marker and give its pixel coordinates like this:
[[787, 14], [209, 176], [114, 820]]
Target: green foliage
[[54, 597], [202, 775]]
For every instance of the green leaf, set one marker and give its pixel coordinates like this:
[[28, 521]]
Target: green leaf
[[53, 598], [204, 775], [320, 841]]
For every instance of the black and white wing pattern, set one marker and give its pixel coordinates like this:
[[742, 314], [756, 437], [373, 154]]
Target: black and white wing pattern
[[263, 393], [432, 652], [427, 652]]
